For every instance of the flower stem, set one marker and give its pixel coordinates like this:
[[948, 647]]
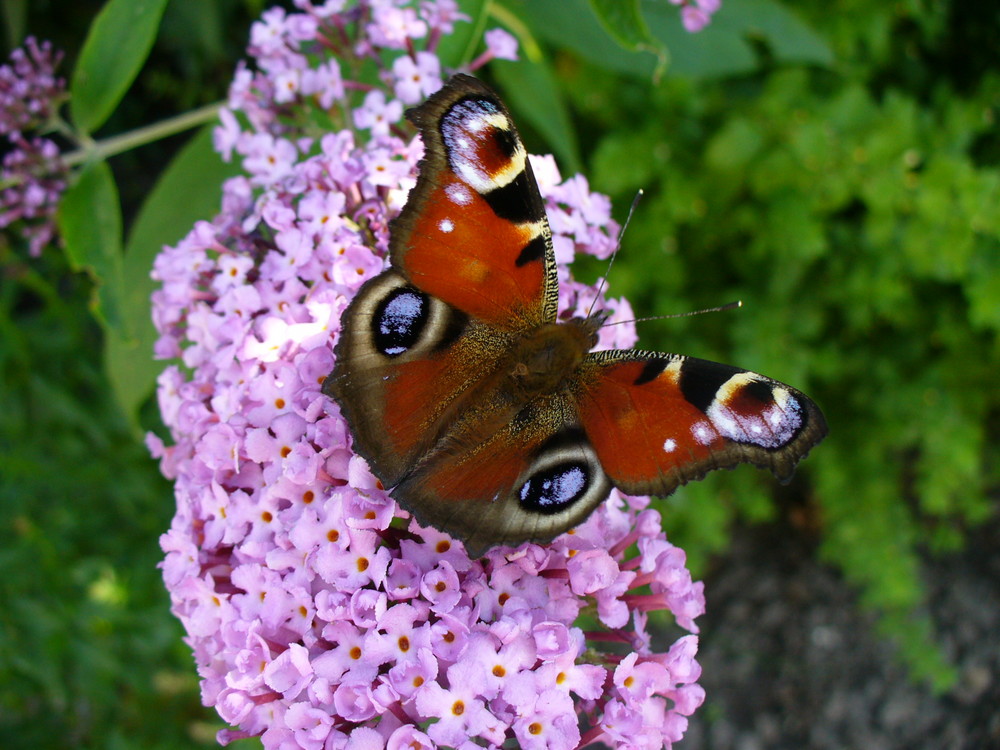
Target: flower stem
[[141, 136]]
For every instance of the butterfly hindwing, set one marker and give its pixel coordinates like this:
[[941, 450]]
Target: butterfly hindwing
[[659, 420], [476, 212], [528, 479]]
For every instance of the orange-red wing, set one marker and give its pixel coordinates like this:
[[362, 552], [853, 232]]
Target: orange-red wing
[[399, 410], [530, 477], [657, 421], [406, 364], [473, 232]]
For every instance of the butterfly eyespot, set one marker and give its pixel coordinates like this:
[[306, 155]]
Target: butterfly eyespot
[[555, 488], [399, 320]]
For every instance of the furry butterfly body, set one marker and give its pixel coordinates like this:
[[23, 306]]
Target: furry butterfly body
[[485, 415]]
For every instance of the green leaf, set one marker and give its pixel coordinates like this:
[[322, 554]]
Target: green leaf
[[571, 24], [14, 14], [983, 286], [720, 49], [188, 190], [789, 38], [116, 47], [90, 223], [532, 90], [457, 49], [623, 21]]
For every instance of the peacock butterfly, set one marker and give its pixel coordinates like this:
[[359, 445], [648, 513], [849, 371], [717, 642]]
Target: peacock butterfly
[[485, 415]]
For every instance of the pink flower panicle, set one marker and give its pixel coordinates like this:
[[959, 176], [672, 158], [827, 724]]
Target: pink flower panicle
[[32, 173], [320, 614]]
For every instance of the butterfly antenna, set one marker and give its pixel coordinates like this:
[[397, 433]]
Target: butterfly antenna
[[728, 306], [618, 244]]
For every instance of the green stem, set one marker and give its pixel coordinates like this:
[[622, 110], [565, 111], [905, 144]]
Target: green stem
[[141, 136]]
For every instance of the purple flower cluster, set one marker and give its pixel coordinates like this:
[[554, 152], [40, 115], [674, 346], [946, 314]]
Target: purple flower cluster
[[320, 614], [30, 91], [32, 175]]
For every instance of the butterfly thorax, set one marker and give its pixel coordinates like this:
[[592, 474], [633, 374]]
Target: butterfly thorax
[[545, 358]]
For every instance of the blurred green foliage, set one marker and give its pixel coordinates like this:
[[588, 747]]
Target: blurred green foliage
[[86, 647], [835, 167], [852, 206], [89, 655]]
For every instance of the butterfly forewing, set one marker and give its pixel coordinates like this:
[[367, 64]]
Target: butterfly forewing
[[476, 212], [406, 365]]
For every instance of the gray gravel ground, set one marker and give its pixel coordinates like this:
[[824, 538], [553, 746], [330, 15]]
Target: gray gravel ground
[[790, 662]]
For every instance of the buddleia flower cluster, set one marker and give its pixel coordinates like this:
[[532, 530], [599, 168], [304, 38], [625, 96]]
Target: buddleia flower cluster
[[319, 613], [32, 175]]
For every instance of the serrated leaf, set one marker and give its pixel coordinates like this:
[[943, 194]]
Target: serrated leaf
[[90, 223], [196, 174], [116, 47], [531, 89]]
